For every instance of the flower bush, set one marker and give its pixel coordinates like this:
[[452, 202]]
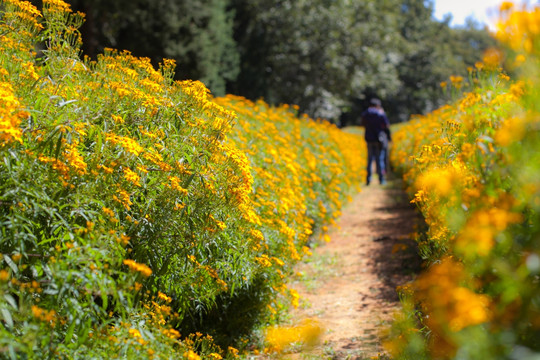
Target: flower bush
[[472, 168], [137, 212]]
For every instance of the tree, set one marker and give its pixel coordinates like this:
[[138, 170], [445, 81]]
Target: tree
[[328, 57], [316, 54], [198, 34], [432, 51]]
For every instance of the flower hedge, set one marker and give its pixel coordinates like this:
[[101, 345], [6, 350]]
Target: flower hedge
[[138, 212], [473, 168]]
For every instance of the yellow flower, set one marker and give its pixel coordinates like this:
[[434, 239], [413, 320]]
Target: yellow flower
[[130, 145], [511, 130], [29, 71], [134, 333], [171, 333], [295, 298], [117, 119], [132, 177], [108, 170], [108, 211], [457, 81], [123, 198], [190, 355], [74, 158], [175, 184], [446, 302], [506, 6], [492, 58], [10, 115], [263, 260], [469, 308], [138, 267], [4, 275], [281, 338], [44, 315], [164, 297], [478, 235], [232, 351]]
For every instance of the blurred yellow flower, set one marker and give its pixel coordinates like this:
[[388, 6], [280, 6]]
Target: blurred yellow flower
[[280, 338], [138, 267]]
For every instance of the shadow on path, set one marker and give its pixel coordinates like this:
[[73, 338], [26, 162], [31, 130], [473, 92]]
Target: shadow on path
[[396, 258]]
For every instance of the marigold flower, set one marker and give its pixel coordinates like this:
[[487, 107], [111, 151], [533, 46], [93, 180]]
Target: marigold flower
[[132, 177], [44, 315], [263, 260], [108, 170], [117, 119], [130, 145], [74, 159], [281, 338], [164, 297], [138, 267], [10, 115], [4, 275], [171, 333], [108, 212], [492, 58], [506, 5], [134, 333], [190, 355], [175, 184]]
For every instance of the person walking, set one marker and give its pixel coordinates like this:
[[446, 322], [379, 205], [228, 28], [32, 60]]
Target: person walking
[[377, 135]]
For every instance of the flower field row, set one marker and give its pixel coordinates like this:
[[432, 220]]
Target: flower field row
[[473, 170], [137, 213]]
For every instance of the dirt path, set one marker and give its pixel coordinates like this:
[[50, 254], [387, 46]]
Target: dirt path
[[349, 285]]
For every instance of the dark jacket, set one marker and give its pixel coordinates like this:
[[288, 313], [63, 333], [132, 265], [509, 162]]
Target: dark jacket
[[375, 121]]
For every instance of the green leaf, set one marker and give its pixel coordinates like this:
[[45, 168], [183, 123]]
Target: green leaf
[[99, 144], [11, 301], [104, 297], [188, 181], [50, 291], [58, 146], [85, 331], [11, 264], [7, 317], [12, 353], [70, 330], [64, 103], [7, 162], [486, 138]]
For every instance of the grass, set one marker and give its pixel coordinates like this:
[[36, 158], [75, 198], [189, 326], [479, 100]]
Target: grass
[[316, 270]]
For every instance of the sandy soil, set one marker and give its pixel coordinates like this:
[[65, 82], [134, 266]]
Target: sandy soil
[[350, 284]]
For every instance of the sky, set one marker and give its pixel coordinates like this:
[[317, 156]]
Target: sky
[[484, 11]]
